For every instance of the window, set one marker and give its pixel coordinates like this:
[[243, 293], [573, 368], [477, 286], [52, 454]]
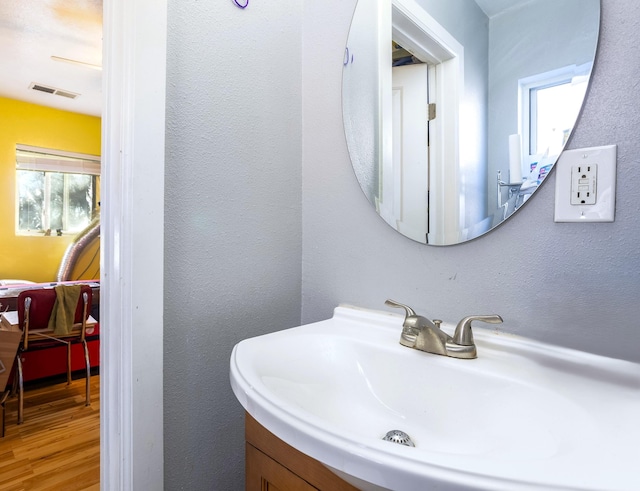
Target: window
[[56, 191], [549, 106]]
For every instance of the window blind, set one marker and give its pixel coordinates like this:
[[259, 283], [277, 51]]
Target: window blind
[[47, 160]]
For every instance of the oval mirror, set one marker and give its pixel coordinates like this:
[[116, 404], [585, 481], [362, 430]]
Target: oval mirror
[[455, 111]]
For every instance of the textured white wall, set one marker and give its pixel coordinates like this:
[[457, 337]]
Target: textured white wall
[[232, 218], [572, 284]]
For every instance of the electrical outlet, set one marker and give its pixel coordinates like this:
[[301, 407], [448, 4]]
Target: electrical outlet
[[586, 185], [583, 184]]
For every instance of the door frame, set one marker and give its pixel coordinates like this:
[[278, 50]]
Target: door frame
[[132, 212]]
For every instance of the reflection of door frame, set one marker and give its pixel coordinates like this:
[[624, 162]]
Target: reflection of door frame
[[421, 34], [133, 128]]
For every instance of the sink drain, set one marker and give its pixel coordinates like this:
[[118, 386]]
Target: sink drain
[[400, 437]]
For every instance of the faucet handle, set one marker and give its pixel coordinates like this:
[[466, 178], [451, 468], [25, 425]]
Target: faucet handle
[[392, 303], [463, 335], [410, 324]]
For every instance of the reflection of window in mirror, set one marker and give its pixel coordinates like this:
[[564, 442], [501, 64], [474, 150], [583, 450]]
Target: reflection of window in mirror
[[56, 190], [549, 106]]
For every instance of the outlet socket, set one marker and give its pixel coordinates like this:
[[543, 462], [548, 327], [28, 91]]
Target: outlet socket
[[583, 184], [586, 185]]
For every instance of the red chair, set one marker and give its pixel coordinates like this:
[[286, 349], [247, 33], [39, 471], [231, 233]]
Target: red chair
[[34, 311]]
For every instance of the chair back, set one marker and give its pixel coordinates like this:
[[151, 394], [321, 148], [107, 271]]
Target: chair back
[[35, 308]]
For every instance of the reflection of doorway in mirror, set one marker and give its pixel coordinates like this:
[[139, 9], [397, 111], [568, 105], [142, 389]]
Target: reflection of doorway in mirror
[[429, 42], [411, 150]]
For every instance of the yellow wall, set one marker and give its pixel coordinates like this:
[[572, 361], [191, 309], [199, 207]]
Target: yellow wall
[[35, 258]]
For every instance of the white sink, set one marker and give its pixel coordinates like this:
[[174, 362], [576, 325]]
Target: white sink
[[522, 416]]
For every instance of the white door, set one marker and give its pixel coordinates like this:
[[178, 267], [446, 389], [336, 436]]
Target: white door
[[411, 150]]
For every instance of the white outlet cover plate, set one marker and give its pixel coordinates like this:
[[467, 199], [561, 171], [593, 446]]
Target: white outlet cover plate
[[603, 210]]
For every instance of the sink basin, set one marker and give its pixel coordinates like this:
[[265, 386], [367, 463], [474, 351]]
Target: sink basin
[[524, 415]]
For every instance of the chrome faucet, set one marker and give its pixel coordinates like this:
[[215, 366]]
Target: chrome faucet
[[421, 333]]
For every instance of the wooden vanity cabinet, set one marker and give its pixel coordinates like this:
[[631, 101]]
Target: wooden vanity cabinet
[[273, 465]]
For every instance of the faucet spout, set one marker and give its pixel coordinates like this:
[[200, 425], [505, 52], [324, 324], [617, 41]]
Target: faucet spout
[[433, 340]]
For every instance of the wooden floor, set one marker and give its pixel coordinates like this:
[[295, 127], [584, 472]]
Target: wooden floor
[[58, 445]]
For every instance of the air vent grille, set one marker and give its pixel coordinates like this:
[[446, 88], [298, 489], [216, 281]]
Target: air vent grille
[[70, 95], [42, 88], [53, 90]]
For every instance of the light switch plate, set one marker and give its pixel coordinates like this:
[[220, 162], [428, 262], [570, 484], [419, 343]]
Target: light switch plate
[[594, 167]]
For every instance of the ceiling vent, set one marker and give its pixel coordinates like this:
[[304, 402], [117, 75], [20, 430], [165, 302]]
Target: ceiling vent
[[53, 90]]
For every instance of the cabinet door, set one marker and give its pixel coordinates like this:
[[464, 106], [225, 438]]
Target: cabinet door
[[265, 474]]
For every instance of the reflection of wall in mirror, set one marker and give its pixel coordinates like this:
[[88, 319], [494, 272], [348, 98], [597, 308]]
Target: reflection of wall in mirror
[[360, 107]]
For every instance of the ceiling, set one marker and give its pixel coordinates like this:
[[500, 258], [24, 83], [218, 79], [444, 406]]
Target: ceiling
[[31, 32], [495, 7]]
